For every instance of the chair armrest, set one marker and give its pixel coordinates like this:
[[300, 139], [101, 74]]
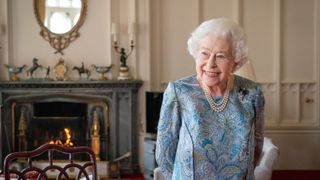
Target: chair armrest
[[270, 155], [158, 174]]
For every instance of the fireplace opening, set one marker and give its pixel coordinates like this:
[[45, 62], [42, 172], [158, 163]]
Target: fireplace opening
[[62, 109], [68, 123], [60, 130], [63, 123]]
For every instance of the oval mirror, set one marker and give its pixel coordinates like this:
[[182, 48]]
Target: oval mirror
[[60, 20]]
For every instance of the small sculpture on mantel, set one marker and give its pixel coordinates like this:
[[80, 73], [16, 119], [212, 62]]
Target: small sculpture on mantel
[[124, 69], [123, 57], [34, 67], [102, 70], [48, 69], [14, 71], [82, 70], [60, 69]]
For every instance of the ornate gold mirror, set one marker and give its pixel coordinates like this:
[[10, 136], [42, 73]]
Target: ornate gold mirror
[[60, 20]]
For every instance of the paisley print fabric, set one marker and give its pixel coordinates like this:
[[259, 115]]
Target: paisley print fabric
[[194, 142]]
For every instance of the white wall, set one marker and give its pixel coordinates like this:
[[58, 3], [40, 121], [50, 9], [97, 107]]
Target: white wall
[[92, 47], [283, 37], [3, 36]]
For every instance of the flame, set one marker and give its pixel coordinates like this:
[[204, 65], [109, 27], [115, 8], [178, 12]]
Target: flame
[[68, 136], [68, 139]]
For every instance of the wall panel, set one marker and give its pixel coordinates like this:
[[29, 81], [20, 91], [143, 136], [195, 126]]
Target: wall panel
[[258, 22], [269, 92], [298, 40], [215, 8], [289, 104], [308, 95], [171, 25], [176, 24]]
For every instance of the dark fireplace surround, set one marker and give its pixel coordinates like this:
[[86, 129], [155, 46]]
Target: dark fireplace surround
[[41, 111]]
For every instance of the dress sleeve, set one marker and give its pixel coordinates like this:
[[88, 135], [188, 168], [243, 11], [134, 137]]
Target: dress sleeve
[[259, 125], [168, 131]]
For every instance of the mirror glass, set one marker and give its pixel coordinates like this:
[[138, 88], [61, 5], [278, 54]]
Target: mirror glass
[[59, 16], [60, 20]]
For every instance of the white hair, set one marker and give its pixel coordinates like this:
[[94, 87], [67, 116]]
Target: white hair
[[225, 28]]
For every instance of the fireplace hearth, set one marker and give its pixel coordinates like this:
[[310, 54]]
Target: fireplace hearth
[[98, 114]]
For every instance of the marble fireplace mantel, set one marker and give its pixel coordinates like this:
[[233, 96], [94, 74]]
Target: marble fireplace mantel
[[113, 84], [121, 118]]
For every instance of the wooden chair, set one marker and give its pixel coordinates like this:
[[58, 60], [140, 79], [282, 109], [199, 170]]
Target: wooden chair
[[55, 167]]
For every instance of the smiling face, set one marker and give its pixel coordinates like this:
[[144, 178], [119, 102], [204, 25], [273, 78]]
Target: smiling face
[[214, 62]]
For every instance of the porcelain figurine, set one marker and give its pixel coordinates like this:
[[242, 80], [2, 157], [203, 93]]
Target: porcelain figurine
[[14, 71], [102, 70], [82, 70], [60, 69], [34, 67]]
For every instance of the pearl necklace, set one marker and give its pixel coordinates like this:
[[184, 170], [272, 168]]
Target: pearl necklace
[[218, 107]]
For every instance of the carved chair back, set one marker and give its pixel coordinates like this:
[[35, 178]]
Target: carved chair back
[[52, 168]]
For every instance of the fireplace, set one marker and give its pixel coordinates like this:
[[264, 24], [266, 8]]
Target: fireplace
[[63, 123], [68, 122], [101, 115]]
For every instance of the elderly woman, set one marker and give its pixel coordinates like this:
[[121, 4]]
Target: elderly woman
[[211, 123]]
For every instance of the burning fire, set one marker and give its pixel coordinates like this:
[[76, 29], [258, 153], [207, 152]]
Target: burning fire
[[68, 139]]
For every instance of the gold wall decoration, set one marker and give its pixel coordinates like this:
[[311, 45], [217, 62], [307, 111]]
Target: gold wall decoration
[[95, 135], [22, 127], [58, 40]]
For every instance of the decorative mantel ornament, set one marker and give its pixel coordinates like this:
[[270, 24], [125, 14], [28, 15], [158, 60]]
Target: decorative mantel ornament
[[34, 67], [14, 71], [102, 70], [22, 127], [82, 70], [95, 135], [60, 69], [124, 69], [51, 31]]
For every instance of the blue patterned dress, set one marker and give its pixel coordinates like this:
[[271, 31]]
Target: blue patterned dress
[[195, 142]]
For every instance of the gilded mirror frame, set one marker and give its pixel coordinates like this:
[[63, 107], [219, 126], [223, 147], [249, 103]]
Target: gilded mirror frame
[[61, 41]]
